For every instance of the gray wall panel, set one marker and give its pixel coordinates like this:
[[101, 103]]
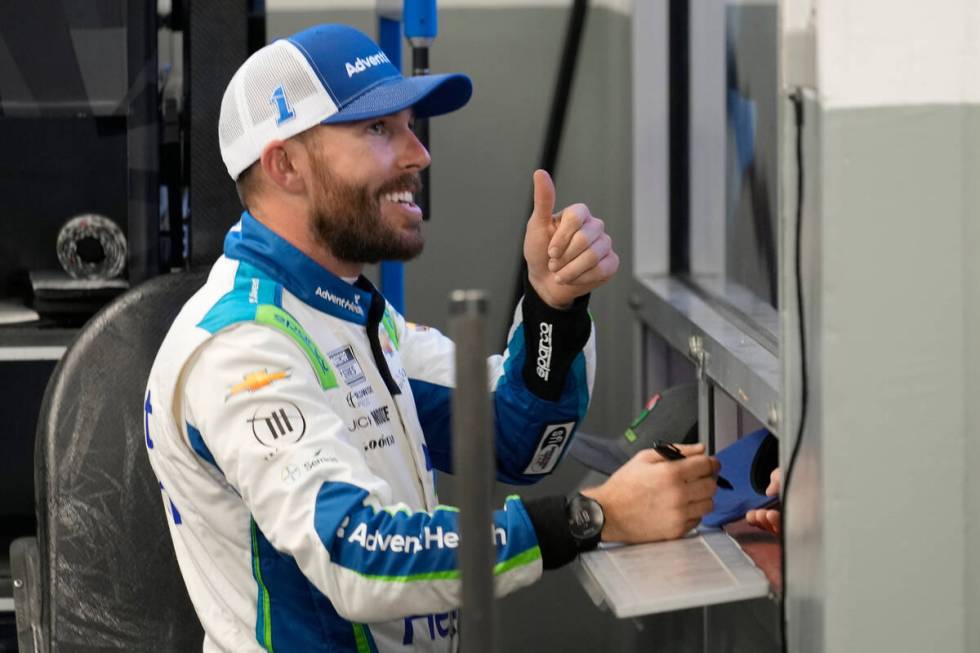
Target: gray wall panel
[[971, 257], [892, 376], [805, 503]]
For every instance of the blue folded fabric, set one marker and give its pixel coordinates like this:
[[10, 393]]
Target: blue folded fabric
[[747, 465]]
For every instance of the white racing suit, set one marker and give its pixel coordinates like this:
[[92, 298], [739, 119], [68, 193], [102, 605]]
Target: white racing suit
[[294, 420]]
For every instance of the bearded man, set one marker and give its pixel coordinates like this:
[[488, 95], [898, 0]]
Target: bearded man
[[295, 419]]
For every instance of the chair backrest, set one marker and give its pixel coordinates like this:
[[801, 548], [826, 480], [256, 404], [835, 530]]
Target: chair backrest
[[109, 576]]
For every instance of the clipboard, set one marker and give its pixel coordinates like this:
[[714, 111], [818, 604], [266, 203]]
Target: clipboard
[[706, 567]]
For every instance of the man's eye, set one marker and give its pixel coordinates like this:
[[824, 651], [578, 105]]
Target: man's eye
[[377, 128]]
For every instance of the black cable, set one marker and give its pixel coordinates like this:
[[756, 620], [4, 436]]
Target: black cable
[[797, 99], [555, 125]]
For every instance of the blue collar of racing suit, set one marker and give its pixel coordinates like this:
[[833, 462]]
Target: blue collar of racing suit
[[254, 243]]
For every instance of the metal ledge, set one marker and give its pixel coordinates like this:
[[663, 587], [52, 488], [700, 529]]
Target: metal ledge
[[733, 359]]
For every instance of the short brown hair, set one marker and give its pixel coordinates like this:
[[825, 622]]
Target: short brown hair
[[246, 183]]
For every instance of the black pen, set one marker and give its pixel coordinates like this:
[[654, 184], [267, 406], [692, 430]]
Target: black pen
[[671, 452]]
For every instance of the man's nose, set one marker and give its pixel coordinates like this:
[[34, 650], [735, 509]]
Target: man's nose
[[415, 155]]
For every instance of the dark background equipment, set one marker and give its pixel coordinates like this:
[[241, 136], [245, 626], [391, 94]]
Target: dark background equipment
[[216, 42], [79, 122], [92, 123]]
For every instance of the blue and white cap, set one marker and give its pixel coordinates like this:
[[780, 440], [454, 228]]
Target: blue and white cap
[[322, 75]]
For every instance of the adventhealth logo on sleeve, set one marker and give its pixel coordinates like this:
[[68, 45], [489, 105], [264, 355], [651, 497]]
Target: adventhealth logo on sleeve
[[343, 302], [427, 539], [360, 64]]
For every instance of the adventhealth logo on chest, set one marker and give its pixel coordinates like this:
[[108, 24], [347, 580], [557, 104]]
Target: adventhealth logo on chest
[[343, 302], [361, 64]]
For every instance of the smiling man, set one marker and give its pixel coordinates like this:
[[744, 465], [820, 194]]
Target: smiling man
[[295, 419]]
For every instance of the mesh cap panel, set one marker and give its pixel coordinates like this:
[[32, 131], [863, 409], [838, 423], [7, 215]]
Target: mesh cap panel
[[279, 67], [229, 124]]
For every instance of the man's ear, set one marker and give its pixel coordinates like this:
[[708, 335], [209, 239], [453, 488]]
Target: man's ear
[[280, 162]]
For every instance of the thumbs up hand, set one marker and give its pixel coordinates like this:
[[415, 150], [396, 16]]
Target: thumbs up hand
[[569, 253]]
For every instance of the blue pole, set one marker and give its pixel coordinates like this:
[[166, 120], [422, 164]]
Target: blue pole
[[392, 272], [421, 19]]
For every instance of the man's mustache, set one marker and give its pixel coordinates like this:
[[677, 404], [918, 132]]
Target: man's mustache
[[410, 181]]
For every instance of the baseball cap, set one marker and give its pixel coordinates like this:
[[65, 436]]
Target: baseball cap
[[747, 464], [323, 75]]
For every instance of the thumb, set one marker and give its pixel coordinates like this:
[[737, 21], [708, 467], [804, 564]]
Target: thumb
[[544, 196]]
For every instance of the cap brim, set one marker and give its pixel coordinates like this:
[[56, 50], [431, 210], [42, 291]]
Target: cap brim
[[429, 95]]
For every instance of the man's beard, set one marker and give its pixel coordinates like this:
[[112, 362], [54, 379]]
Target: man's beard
[[347, 220]]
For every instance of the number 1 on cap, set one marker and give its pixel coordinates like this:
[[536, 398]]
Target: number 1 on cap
[[282, 105]]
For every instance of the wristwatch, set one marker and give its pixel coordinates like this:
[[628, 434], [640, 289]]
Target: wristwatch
[[585, 521]]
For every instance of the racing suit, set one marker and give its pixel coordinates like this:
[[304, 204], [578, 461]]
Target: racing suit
[[294, 420]]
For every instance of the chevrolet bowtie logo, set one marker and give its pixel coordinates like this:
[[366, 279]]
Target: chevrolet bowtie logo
[[256, 381]]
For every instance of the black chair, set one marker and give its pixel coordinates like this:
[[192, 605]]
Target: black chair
[[101, 575]]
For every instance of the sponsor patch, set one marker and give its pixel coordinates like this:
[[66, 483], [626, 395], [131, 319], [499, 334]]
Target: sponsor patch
[[358, 423], [550, 446], [544, 350], [290, 474], [361, 64], [257, 380], [277, 424], [356, 398], [344, 303], [346, 364], [386, 345], [380, 415], [319, 458], [425, 540], [430, 627], [380, 443]]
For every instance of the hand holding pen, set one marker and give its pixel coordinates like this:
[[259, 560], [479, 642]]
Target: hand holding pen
[[670, 452], [649, 499]]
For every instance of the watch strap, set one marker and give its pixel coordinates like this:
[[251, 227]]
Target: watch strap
[[578, 505], [549, 517]]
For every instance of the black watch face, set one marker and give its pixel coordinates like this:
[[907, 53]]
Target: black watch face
[[585, 518]]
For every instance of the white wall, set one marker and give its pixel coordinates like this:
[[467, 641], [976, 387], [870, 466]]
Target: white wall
[[884, 52]]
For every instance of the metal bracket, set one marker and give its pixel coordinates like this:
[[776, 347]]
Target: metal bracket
[[25, 568], [706, 394]]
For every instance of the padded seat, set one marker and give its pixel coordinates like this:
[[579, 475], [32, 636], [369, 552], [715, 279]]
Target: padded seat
[[101, 574]]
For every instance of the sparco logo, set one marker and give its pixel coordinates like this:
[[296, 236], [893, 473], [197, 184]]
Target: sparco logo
[[344, 303], [360, 64], [544, 351]]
